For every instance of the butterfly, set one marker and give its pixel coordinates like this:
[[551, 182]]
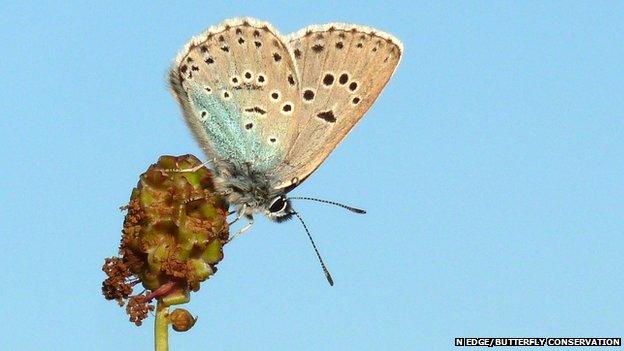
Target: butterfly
[[268, 109]]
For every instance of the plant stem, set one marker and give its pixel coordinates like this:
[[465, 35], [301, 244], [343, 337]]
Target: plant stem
[[161, 327]]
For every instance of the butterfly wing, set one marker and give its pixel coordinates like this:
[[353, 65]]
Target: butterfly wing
[[342, 69], [237, 84]]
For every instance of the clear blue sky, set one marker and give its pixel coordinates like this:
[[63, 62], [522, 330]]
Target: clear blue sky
[[491, 166]]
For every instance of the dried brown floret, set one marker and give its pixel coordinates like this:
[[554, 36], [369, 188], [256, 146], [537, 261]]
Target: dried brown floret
[[176, 268], [138, 308], [115, 267], [116, 287]]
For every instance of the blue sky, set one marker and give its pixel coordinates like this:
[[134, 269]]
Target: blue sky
[[491, 168]]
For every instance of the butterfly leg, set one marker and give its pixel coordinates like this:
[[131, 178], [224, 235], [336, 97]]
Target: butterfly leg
[[193, 199], [188, 170], [240, 215], [243, 229]]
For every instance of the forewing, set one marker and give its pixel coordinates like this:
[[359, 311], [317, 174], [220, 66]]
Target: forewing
[[342, 69], [237, 86]]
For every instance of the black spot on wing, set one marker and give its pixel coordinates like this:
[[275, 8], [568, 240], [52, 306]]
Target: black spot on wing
[[327, 116], [328, 79], [344, 78], [256, 109], [308, 95]]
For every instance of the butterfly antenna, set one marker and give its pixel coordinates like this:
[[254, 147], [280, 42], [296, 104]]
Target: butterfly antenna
[[352, 209], [327, 275]]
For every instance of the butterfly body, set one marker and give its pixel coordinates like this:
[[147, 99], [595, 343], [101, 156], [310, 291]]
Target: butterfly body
[[268, 109], [251, 191]]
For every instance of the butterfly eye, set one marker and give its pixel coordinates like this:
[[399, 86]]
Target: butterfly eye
[[278, 205]]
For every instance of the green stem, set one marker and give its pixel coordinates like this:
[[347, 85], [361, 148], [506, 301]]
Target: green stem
[[161, 327]]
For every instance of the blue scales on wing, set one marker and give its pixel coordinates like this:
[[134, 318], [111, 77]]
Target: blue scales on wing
[[237, 86]]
